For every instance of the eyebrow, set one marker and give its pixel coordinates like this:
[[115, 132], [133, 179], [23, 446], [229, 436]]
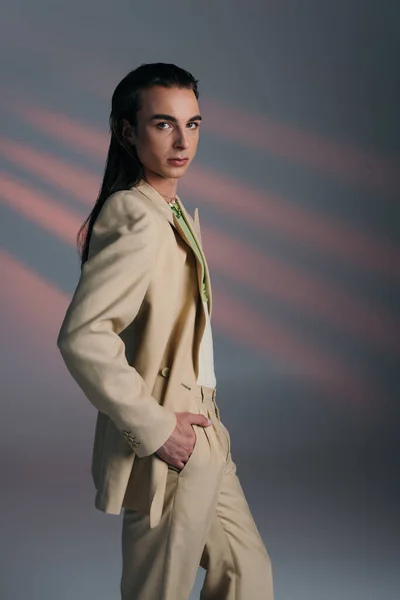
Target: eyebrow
[[173, 119]]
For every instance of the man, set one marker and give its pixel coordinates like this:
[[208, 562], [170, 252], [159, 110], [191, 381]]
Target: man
[[137, 339]]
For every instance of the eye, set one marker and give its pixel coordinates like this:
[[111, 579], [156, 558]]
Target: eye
[[160, 125], [193, 123]]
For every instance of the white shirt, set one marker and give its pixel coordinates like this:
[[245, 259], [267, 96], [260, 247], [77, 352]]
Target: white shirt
[[206, 355]]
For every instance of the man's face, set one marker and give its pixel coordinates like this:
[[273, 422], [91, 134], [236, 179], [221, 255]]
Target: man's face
[[167, 128]]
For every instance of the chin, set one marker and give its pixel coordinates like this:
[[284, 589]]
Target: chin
[[175, 172]]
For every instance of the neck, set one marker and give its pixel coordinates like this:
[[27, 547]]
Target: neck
[[167, 188]]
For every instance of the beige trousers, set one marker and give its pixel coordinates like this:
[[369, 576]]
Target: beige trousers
[[205, 521]]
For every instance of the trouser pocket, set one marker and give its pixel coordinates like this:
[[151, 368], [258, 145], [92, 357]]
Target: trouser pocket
[[227, 439], [189, 460]]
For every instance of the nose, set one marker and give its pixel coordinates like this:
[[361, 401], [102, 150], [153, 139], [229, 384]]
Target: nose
[[181, 140]]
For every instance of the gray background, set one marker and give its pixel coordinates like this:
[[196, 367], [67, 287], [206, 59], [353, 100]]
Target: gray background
[[297, 183]]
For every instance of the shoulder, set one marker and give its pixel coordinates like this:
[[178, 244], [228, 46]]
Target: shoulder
[[124, 213], [125, 207]]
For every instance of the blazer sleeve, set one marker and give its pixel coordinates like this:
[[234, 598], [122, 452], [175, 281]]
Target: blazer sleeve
[[124, 247]]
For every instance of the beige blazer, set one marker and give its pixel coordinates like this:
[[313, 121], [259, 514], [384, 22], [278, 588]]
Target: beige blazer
[[130, 337]]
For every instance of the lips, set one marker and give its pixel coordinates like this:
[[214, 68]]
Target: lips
[[178, 161]]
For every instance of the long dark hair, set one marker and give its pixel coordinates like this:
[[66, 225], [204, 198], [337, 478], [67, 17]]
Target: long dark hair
[[123, 168]]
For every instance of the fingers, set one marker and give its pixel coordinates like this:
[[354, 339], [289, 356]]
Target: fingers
[[196, 419]]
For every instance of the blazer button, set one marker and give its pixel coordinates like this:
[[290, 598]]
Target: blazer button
[[165, 371]]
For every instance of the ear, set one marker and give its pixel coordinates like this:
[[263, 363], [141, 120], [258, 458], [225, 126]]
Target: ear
[[127, 131]]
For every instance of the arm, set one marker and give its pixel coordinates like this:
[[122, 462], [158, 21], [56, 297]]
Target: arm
[[124, 247]]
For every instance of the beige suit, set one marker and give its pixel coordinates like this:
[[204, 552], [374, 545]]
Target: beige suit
[[130, 338], [140, 282]]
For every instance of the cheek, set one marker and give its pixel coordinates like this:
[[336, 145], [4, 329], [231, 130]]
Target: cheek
[[194, 143], [155, 146], [194, 138], [147, 150]]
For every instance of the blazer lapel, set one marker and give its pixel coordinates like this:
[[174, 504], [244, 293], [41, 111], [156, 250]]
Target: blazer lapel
[[196, 222], [147, 190]]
